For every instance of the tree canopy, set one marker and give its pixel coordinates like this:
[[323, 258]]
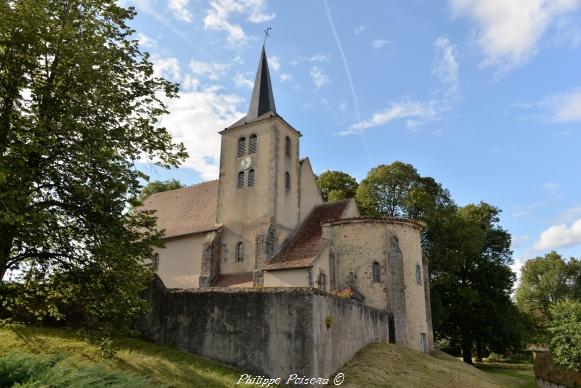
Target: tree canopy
[[565, 333], [546, 280], [336, 185], [398, 190], [79, 103], [157, 187], [471, 282]]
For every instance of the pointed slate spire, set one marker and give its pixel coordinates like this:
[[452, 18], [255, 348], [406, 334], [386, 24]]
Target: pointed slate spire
[[262, 100]]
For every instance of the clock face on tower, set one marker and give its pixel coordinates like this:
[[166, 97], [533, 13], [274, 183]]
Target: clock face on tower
[[246, 162]]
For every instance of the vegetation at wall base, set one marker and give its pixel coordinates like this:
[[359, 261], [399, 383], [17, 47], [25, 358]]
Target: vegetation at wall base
[[135, 363]]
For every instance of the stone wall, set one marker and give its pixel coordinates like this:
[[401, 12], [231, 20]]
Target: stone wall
[[271, 331], [548, 374]]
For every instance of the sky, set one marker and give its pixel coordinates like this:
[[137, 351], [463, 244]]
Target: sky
[[482, 95]]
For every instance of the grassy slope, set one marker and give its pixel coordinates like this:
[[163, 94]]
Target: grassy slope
[[386, 365], [160, 364], [380, 365]]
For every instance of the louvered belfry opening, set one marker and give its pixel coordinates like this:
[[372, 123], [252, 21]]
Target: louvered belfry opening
[[241, 147], [251, 178], [252, 144]]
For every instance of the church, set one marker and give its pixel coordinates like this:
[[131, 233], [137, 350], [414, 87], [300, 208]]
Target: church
[[263, 223]]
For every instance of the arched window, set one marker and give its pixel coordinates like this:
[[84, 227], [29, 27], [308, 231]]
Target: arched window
[[241, 147], [240, 183], [155, 261], [251, 178], [239, 251], [322, 282], [287, 147], [252, 144], [376, 272], [418, 274], [287, 181]]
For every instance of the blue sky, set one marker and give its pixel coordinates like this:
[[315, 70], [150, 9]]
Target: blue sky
[[482, 95]]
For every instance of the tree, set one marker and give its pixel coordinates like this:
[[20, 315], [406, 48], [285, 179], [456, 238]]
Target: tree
[[158, 187], [78, 104], [336, 185], [545, 280], [397, 190], [471, 281], [565, 333]]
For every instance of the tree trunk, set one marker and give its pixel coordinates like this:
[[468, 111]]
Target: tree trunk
[[6, 239], [467, 350]]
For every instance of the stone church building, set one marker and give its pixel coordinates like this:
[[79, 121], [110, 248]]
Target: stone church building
[[263, 223]]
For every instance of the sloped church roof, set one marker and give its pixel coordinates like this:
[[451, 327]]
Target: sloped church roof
[[185, 211]]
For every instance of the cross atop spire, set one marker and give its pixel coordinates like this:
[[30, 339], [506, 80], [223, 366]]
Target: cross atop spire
[[262, 100]]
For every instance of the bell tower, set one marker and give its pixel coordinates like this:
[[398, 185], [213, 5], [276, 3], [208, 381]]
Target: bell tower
[[258, 190]]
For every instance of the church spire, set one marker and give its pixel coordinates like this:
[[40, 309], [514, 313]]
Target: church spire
[[262, 100]]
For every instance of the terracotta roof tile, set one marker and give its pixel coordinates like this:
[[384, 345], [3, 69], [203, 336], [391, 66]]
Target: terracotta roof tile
[[242, 279], [185, 211], [307, 242]]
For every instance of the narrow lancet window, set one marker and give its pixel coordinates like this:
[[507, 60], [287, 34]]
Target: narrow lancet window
[[418, 275], [287, 147], [239, 251], [287, 181], [376, 272]]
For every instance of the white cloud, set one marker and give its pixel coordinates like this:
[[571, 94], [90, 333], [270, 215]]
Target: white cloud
[[145, 41], [518, 241], [559, 235], [551, 186], [319, 57], [213, 71], [319, 77], [274, 63], [359, 29], [242, 81], [508, 31], [343, 107], [565, 107], [167, 68], [378, 43], [180, 9], [445, 66], [195, 119], [413, 112], [569, 215], [285, 77], [218, 16]]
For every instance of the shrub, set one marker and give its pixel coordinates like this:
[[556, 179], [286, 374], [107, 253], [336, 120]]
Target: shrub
[[565, 334]]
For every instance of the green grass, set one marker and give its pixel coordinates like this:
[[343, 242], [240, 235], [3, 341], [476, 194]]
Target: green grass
[[134, 360], [387, 365], [521, 375], [59, 357]]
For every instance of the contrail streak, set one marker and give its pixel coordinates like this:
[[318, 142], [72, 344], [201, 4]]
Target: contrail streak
[[348, 72]]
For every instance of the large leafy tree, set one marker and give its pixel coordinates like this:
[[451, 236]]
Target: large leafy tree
[[471, 282], [79, 103], [398, 190], [336, 185], [545, 280]]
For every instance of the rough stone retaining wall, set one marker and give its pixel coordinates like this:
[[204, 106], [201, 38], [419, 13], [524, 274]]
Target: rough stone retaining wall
[[550, 375], [269, 331]]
